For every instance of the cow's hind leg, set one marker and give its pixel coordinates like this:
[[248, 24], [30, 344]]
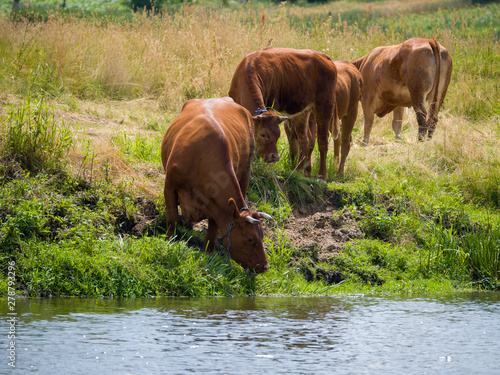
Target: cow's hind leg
[[419, 107], [323, 150], [431, 123], [397, 121]]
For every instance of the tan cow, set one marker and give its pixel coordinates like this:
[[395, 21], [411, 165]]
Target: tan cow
[[347, 94], [292, 82], [405, 75], [206, 154]]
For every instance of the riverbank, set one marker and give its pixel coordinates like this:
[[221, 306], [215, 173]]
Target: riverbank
[[81, 206]]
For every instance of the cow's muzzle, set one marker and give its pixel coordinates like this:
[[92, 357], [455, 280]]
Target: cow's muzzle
[[260, 269], [273, 158]]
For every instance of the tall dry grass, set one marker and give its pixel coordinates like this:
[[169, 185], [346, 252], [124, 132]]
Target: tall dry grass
[[193, 53], [171, 58]]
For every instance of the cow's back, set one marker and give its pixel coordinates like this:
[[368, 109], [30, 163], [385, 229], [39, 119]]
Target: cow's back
[[283, 78], [210, 141]]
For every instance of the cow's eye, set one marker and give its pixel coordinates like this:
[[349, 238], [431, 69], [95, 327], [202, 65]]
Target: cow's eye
[[262, 135], [250, 240]]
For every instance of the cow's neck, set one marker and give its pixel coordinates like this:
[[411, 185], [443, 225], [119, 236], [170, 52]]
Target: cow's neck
[[253, 99]]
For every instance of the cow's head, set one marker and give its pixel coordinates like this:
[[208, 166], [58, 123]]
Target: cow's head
[[244, 238], [267, 133]]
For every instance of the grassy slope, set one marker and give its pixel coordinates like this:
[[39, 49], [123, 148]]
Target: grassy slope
[[430, 212]]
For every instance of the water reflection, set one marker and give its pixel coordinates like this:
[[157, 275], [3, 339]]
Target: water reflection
[[317, 335]]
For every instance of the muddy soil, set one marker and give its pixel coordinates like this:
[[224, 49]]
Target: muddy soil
[[324, 233]]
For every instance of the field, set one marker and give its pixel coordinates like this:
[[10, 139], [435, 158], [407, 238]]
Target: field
[[87, 96]]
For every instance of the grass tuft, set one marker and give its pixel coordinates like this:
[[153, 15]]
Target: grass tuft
[[34, 139]]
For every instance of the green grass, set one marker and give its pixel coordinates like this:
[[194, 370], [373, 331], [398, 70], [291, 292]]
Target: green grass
[[142, 148], [127, 267]]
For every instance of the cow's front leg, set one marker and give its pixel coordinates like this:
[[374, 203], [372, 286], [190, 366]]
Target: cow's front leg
[[211, 235], [432, 119], [303, 131], [345, 138], [323, 150], [171, 209]]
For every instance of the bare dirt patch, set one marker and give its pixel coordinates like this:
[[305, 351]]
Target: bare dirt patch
[[325, 232]]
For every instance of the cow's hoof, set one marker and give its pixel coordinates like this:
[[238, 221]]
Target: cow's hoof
[[321, 180]]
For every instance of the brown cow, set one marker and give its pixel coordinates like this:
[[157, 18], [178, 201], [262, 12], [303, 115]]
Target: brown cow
[[292, 82], [405, 75], [206, 154], [347, 94]]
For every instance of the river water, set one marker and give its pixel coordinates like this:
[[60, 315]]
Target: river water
[[457, 334]]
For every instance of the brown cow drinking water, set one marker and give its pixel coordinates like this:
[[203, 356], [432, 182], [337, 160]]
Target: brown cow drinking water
[[206, 154], [292, 82], [405, 75]]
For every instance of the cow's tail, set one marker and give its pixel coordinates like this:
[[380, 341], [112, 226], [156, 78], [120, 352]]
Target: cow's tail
[[434, 107], [335, 124], [358, 62]]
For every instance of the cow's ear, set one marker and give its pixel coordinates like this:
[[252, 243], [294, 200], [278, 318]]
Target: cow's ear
[[257, 120], [232, 208]]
